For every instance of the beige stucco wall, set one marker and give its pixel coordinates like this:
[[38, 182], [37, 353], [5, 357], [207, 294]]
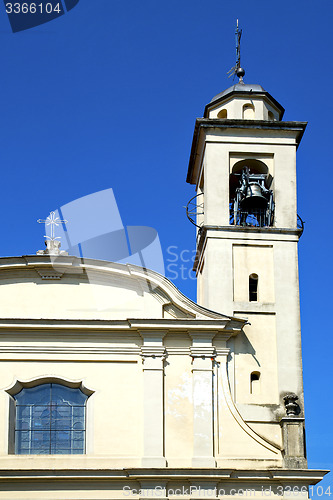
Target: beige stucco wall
[[253, 259], [234, 107], [86, 298], [113, 419], [255, 351], [228, 255], [160, 389]]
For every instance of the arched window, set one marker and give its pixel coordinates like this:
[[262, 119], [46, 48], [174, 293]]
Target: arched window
[[248, 112], [50, 419], [271, 116], [255, 383], [253, 288], [222, 114]]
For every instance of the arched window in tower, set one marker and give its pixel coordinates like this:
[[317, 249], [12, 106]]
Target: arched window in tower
[[271, 116], [50, 419], [222, 114], [248, 112], [255, 383], [253, 288]]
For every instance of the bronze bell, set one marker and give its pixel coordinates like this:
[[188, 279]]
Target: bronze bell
[[254, 198]]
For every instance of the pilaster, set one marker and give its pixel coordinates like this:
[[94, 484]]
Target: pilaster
[[153, 354], [203, 354]]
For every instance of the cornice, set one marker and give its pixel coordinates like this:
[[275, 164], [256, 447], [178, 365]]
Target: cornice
[[203, 124], [301, 476], [232, 326], [135, 350], [264, 234]]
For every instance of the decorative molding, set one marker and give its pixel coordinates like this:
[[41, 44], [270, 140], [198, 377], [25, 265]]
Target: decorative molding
[[222, 351], [70, 350], [202, 352], [118, 350], [43, 469], [48, 379], [153, 352], [113, 350], [49, 274], [149, 326], [264, 477], [292, 407]]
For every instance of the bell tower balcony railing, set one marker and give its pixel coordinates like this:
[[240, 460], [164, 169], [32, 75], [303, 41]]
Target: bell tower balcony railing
[[260, 217]]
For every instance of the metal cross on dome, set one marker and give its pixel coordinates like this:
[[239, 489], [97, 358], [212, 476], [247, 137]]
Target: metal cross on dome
[[52, 221]]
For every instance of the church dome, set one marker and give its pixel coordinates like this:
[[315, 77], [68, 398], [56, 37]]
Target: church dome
[[244, 101], [239, 87]]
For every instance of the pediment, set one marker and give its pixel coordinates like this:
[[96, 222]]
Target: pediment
[[66, 287]]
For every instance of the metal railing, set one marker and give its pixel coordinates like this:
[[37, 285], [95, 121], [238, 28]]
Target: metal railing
[[253, 218], [300, 224]]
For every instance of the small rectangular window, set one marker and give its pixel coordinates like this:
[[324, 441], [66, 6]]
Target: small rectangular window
[[253, 288]]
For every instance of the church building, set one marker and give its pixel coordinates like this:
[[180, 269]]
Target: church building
[[114, 384]]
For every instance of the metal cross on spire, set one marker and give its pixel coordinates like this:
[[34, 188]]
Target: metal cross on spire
[[52, 221], [237, 69]]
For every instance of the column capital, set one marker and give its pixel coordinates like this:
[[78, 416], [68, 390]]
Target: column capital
[[148, 351], [202, 336], [222, 351], [153, 348], [202, 344], [202, 352], [155, 336]]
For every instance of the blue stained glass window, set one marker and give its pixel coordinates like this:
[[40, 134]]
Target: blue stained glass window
[[50, 419]]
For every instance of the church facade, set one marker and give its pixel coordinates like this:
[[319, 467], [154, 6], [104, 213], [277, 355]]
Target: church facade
[[115, 385]]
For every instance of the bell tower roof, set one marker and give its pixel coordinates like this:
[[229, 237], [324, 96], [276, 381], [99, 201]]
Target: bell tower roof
[[238, 87], [246, 91]]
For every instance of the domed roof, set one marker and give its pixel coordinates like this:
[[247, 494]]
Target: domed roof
[[239, 87], [242, 88]]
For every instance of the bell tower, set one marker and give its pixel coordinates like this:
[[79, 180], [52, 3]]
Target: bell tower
[[243, 164]]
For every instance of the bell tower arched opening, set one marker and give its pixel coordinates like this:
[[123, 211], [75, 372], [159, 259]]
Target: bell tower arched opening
[[251, 199]]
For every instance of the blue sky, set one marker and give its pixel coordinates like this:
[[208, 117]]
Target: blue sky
[[106, 97]]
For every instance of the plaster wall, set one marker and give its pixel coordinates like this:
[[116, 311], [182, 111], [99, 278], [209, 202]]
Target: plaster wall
[[178, 410], [113, 419], [253, 259], [256, 351], [275, 319], [73, 297]]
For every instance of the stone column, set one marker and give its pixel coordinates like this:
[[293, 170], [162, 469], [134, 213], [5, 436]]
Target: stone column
[[203, 353], [153, 354]]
